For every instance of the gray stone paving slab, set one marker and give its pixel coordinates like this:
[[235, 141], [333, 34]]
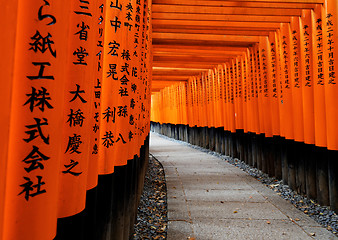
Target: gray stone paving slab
[[234, 210], [247, 229], [177, 212], [231, 185], [225, 195], [178, 230], [211, 199]]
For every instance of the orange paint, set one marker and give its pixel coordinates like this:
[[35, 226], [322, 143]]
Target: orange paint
[[272, 76], [225, 98], [239, 112], [280, 83], [266, 88], [307, 74], [195, 100], [251, 94], [206, 84], [217, 95], [320, 73], [129, 123], [190, 103], [31, 212], [211, 81], [259, 90], [286, 79], [97, 31], [78, 101], [234, 89], [296, 81], [258, 123], [9, 20], [245, 92], [113, 91], [231, 103], [331, 84], [220, 79], [148, 67]]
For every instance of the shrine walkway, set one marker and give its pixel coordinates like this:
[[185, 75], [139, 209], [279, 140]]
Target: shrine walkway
[[211, 199]]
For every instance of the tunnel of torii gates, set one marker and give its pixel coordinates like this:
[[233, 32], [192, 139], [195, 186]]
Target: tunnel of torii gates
[[252, 79]]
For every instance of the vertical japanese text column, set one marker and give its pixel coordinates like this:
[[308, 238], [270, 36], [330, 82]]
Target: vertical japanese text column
[[77, 117]]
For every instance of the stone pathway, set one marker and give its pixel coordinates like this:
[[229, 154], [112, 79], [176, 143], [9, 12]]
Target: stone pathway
[[211, 199]]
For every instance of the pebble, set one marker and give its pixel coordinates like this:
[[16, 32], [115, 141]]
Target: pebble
[[152, 219]]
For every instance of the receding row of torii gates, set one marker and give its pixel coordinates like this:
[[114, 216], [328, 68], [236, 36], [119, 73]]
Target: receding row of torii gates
[[82, 79], [274, 105]]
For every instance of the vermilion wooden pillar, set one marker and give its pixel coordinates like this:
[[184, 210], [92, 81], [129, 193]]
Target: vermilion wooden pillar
[[38, 81], [9, 19], [331, 90]]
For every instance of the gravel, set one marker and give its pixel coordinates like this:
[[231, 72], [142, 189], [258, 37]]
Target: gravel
[[152, 217], [321, 214]]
